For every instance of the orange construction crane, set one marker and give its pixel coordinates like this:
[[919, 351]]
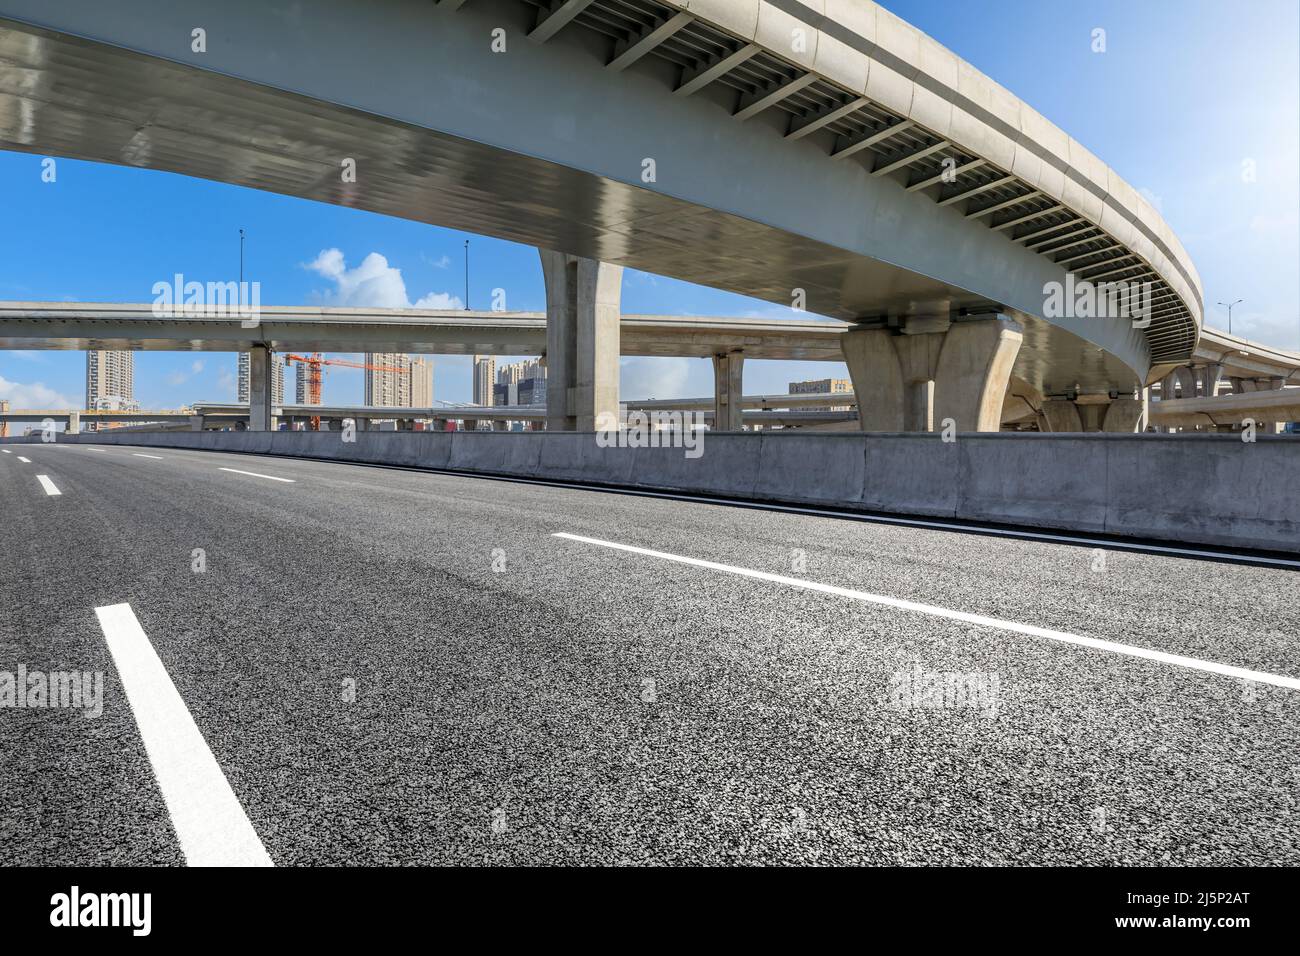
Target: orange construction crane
[[314, 363]]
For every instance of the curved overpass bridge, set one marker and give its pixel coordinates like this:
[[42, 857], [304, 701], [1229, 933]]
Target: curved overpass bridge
[[826, 151]]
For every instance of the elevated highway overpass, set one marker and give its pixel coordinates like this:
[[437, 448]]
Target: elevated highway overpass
[[1219, 359], [865, 170]]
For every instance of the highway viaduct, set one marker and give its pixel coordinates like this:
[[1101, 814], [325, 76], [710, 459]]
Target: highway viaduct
[[827, 156], [1192, 395]]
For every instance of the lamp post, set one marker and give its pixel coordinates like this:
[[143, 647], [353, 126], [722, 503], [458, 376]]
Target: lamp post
[[1229, 306], [466, 275]]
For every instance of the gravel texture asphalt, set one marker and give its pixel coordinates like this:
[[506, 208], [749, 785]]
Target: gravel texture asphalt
[[522, 698]]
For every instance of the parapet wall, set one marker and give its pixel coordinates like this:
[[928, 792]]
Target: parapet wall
[[1193, 489]]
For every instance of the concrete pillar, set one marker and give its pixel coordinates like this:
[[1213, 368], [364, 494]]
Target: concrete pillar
[[583, 311], [970, 383], [931, 369], [362, 424], [74, 423], [1123, 416], [259, 389], [728, 374], [1092, 414], [196, 423], [1061, 415], [500, 425]]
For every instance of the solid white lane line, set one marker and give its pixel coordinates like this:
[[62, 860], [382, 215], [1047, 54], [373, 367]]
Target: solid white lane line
[[256, 475], [209, 821], [1211, 667], [137, 454], [27, 461], [48, 485], [937, 524]]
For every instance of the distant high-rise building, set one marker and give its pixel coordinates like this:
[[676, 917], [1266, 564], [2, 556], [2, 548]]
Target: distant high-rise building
[[823, 386], [110, 380], [532, 391], [300, 373], [485, 367], [409, 387], [517, 372], [277, 379]]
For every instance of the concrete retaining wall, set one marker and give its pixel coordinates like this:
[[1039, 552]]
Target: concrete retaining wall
[[1200, 489]]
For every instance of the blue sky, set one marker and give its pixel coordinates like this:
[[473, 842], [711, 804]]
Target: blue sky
[[1186, 95]]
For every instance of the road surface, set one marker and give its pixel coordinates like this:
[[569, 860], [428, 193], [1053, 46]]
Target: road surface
[[386, 666]]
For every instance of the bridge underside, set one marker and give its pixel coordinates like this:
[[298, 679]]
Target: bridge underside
[[73, 97]]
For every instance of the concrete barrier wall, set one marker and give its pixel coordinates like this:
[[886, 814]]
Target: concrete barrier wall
[[1190, 488]]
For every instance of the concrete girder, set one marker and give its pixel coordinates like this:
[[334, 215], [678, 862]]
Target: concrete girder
[[702, 74], [754, 103], [552, 20], [633, 48]]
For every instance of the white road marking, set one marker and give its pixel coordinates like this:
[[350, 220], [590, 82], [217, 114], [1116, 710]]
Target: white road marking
[[137, 454], [938, 524], [48, 485], [26, 461], [256, 475], [1211, 667], [6, 451], [208, 818]]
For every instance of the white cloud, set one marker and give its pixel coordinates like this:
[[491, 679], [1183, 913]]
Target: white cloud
[[33, 395], [643, 377], [373, 284], [1152, 198], [438, 300], [227, 383]]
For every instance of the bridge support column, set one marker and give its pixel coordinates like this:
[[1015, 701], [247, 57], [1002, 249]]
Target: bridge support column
[[583, 311], [74, 423], [196, 423], [728, 373], [259, 389], [911, 379], [1101, 414]]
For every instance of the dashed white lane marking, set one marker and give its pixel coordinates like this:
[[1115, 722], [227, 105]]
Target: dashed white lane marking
[[208, 818], [48, 485], [6, 451], [137, 454], [256, 475], [1211, 667], [26, 461]]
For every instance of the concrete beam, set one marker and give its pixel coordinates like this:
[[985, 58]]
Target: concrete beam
[[583, 298], [629, 51], [555, 18], [702, 74]]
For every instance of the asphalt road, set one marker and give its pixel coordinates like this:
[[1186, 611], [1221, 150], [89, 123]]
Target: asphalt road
[[526, 698]]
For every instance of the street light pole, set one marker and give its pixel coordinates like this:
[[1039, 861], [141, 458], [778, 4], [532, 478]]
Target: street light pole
[[466, 275], [1229, 306], [241, 267]]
